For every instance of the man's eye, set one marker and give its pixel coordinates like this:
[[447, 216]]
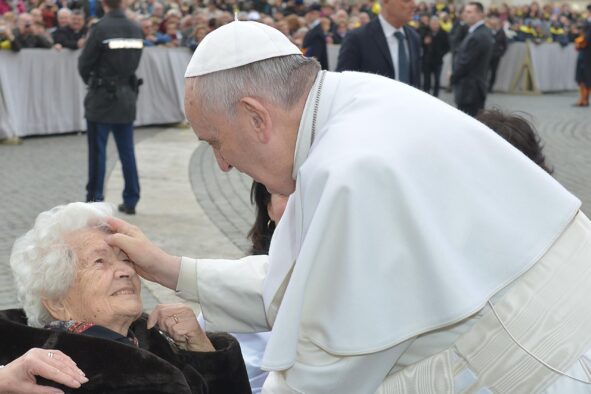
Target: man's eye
[[98, 261]]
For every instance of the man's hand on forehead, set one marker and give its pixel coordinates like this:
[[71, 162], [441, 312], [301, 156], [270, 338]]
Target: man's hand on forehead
[[151, 262]]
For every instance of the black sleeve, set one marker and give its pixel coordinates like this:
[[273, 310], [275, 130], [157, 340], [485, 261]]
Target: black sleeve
[[349, 56], [503, 42], [65, 40], [223, 371], [43, 42], [15, 45], [90, 54]]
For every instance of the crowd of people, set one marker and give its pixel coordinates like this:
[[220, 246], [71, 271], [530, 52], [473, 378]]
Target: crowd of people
[[184, 23]]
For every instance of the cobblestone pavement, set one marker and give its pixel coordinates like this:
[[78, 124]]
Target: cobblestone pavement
[[39, 174], [48, 171]]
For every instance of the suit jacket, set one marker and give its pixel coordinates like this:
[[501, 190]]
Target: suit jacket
[[471, 66], [315, 45], [365, 49], [113, 367]]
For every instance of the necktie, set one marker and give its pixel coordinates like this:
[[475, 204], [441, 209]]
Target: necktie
[[403, 69]]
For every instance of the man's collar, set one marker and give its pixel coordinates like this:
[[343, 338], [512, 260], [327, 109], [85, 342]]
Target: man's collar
[[320, 104], [314, 24], [475, 26], [389, 30]]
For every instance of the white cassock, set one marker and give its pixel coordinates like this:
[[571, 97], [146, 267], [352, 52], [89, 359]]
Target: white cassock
[[407, 217]]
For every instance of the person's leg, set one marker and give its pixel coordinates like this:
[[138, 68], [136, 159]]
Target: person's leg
[[97, 136], [427, 79], [437, 78], [494, 65], [123, 134]]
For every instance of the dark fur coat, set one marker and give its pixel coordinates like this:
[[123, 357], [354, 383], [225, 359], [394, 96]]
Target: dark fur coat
[[111, 367]]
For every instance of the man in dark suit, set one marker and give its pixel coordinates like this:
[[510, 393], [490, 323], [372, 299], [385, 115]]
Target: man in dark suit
[[499, 48], [471, 65], [315, 40], [385, 46]]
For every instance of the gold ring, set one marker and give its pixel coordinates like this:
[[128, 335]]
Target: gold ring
[[175, 319], [50, 354]]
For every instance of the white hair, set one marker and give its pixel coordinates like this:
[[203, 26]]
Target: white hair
[[64, 11], [281, 81], [43, 265]]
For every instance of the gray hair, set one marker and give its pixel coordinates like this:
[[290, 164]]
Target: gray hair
[[281, 81], [43, 265], [63, 11]]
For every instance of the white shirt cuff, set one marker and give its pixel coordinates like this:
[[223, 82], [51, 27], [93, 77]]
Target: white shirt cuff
[[187, 283]]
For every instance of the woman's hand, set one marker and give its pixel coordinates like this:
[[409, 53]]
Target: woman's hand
[[150, 262], [180, 323], [19, 375]]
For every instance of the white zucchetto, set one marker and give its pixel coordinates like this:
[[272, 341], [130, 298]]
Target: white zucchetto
[[236, 44]]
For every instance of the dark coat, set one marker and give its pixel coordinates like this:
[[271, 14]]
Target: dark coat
[[433, 53], [110, 72], [113, 367], [500, 45], [314, 45], [583, 72], [471, 65], [365, 49], [67, 37], [29, 40]]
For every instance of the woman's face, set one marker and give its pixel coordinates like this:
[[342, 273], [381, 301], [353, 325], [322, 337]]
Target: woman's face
[[107, 289]]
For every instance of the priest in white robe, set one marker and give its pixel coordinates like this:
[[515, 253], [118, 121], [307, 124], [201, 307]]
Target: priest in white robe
[[418, 252]]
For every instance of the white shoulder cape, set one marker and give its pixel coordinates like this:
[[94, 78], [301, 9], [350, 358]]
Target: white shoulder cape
[[407, 216]]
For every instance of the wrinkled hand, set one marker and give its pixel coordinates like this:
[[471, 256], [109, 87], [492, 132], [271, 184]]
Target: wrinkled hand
[[19, 375], [150, 262], [180, 323]]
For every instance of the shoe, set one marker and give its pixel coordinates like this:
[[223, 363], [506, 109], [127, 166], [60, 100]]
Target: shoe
[[11, 141], [125, 209]]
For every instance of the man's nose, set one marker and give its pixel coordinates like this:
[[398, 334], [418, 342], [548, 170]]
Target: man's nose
[[224, 166]]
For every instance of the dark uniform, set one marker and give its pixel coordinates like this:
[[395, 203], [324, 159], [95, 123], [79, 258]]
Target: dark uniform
[[107, 65]]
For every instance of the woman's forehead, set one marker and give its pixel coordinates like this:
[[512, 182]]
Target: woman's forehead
[[90, 241]]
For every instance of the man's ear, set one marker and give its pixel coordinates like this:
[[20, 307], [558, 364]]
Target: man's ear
[[56, 309], [259, 118]]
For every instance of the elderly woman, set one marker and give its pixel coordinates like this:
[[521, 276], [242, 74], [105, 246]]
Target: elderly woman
[[82, 297]]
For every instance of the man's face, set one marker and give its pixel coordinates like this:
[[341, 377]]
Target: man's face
[[434, 25], [471, 15], [158, 10], [63, 19], [364, 18], [311, 16], [236, 144], [398, 12], [76, 22], [25, 24], [147, 28], [37, 15], [107, 289]]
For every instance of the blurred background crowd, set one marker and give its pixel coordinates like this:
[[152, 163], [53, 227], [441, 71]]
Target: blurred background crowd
[[184, 23]]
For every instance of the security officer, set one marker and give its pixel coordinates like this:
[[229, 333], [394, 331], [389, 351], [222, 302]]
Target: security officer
[[107, 65]]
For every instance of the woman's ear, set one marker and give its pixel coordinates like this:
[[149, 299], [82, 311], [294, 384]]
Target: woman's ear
[[56, 309], [259, 118]]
